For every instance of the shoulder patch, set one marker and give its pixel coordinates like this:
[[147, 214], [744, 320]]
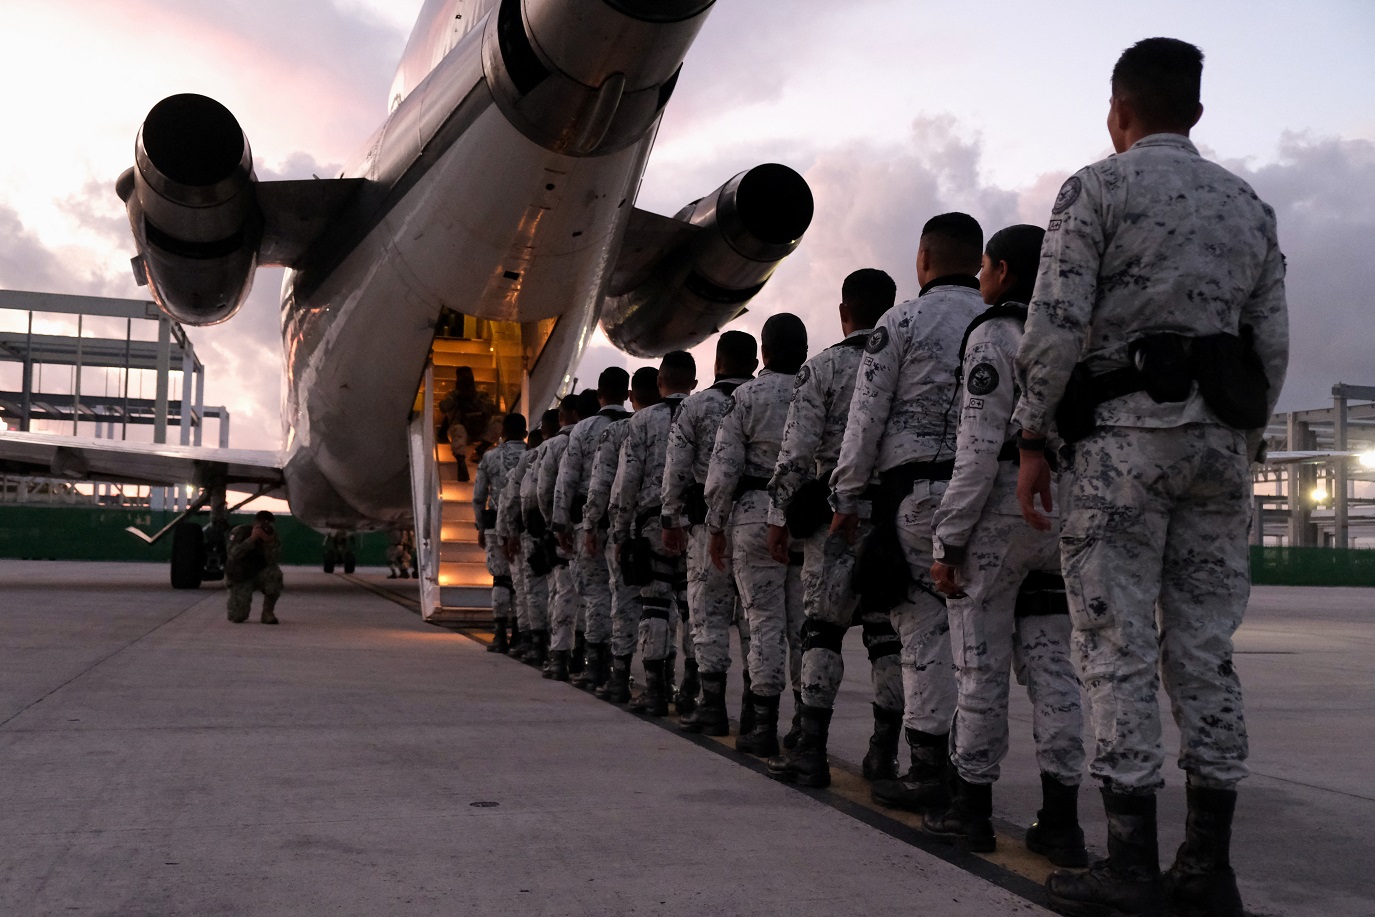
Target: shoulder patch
[[983, 379], [877, 341], [1069, 193], [730, 405], [803, 375]]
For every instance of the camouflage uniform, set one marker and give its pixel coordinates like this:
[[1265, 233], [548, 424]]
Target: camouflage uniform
[[492, 473], [596, 518], [742, 462], [589, 572], [537, 585], [979, 529], [811, 444], [1155, 526], [901, 413], [509, 526], [712, 600], [564, 606], [252, 567], [636, 509]]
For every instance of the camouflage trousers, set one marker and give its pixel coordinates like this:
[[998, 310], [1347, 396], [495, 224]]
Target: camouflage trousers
[[1156, 561], [987, 639], [663, 602], [771, 595], [503, 588], [829, 604], [520, 604], [563, 607], [713, 606], [536, 587], [625, 605], [928, 671], [268, 582], [591, 577]]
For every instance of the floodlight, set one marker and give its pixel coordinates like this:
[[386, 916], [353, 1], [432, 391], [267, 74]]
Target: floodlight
[[1319, 495], [1367, 459]]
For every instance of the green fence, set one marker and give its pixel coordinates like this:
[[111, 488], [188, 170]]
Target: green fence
[[92, 533], [1312, 567]]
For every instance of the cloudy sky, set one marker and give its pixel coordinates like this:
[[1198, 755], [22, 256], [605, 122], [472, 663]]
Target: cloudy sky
[[893, 110]]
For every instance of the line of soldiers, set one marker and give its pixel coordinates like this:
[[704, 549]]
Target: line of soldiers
[[1085, 397]]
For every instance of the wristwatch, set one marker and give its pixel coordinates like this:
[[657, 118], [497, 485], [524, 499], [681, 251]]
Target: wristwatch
[[1031, 444]]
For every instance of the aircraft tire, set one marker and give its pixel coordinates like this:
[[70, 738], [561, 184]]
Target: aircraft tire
[[188, 556], [350, 562], [329, 565]]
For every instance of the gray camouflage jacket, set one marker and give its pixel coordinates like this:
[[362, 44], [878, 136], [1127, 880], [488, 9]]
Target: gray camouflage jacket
[[904, 401], [509, 507], [492, 472], [575, 465], [1151, 240], [690, 442], [816, 421], [548, 474], [639, 484], [748, 441], [604, 463]]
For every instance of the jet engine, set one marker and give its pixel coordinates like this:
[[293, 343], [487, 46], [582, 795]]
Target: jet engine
[[193, 208], [678, 282]]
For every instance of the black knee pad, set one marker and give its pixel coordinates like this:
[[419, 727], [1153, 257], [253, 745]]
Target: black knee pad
[[881, 640], [502, 582], [819, 635]]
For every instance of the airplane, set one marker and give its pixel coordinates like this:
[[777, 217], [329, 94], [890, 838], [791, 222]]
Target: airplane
[[494, 204]]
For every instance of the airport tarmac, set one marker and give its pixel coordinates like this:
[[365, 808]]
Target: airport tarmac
[[158, 760]]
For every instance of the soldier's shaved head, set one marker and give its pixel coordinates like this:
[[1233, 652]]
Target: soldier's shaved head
[[613, 385], [951, 243], [868, 293], [644, 386], [784, 342], [1161, 79], [737, 354], [513, 427], [677, 372]]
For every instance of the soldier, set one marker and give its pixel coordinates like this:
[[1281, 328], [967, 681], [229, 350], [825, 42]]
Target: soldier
[[1005, 595], [742, 462], [532, 543], [563, 597], [398, 555], [509, 526], [1162, 278], [590, 577], [254, 555], [900, 426], [596, 527], [798, 499], [636, 505], [492, 471], [466, 410], [712, 601]]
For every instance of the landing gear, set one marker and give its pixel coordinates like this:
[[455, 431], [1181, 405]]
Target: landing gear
[[188, 556]]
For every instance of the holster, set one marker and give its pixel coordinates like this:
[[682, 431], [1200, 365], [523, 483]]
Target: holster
[[534, 524], [695, 503], [489, 519], [1231, 378], [575, 509], [1041, 593], [810, 508]]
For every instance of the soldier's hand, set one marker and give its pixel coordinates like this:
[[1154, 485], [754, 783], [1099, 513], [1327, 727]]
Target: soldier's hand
[[481, 539], [718, 547], [589, 543], [565, 541], [1033, 480], [778, 543], [846, 524], [947, 580], [675, 541], [512, 547]]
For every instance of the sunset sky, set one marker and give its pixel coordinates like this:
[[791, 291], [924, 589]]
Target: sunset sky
[[894, 110]]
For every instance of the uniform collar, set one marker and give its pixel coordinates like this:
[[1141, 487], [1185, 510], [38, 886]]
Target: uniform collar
[[1166, 139], [858, 333], [606, 411], [951, 280], [741, 379]]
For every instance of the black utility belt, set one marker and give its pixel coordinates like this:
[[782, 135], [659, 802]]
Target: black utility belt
[[750, 482], [905, 476]]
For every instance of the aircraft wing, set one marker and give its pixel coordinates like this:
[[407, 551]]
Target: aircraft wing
[[135, 463]]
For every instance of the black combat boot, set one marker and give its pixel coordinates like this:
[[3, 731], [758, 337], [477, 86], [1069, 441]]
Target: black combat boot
[[924, 787], [1201, 881], [1127, 883], [577, 663], [499, 643], [587, 679], [539, 649], [710, 718], [881, 763], [746, 708], [617, 687], [1056, 834], [653, 700], [670, 676], [805, 763], [968, 821], [558, 665], [516, 640], [795, 733], [762, 740], [686, 700]]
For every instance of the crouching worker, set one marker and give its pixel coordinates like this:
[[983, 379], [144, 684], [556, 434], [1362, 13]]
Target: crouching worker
[[253, 565]]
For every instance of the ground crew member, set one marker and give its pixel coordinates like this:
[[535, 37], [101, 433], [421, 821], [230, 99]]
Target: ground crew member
[[636, 524], [563, 597], [467, 411], [1002, 578], [713, 604], [253, 565], [1162, 277], [492, 471], [591, 581], [901, 425], [532, 543], [742, 462], [398, 555], [596, 527], [509, 528], [799, 490]]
